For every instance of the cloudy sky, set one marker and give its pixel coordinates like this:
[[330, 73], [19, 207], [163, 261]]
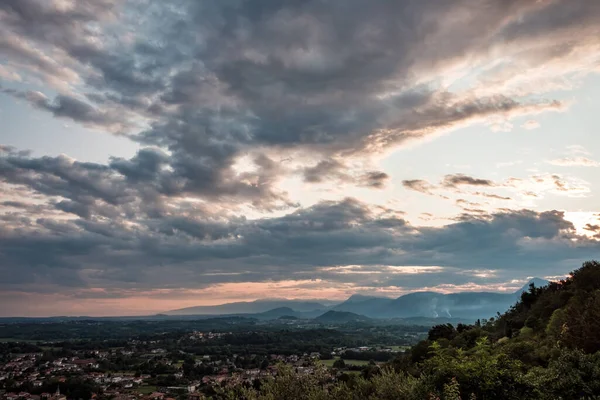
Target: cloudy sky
[[163, 154]]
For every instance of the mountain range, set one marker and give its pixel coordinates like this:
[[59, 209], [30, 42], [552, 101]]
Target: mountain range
[[467, 305], [253, 307]]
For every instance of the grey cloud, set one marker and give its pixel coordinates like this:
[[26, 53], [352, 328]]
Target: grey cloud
[[574, 162], [215, 80], [64, 106], [146, 165], [595, 229], [327, 170], [491, 196], [453, 181], [419, 185], [324, 170], [218, 79], [374, 179], [288, 247], [33, 27], [141, 184], [60, 176], [21, 52], [456, 183], [14, 151]]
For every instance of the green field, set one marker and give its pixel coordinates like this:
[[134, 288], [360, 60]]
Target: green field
[[399, 348], [329, 363], [356, 362], [146, 389], [13, 340]]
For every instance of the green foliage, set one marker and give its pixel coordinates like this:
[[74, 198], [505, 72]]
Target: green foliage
[[452, 390], [572, 375], [445, 331], [547, 346], [556, 326], [390, 385], [289, 385], [582, 322]]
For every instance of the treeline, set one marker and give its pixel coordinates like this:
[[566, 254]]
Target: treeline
[[367, 355], [286, 342], [123, 329], [547, 346], [73, 387], [289, 342]]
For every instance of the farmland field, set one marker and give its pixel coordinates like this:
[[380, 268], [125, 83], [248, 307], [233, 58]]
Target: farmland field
[[329, 363]]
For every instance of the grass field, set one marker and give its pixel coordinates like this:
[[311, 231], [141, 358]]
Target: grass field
[[399, 348], [356, 362], [329, 363], [146, 389], [13, 340]]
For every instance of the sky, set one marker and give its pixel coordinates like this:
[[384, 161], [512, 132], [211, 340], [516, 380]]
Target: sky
[[156, 155]]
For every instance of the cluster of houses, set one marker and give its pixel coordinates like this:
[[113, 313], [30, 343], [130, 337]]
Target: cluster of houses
[[205, 336], [27, 367], [38, 372], [338, 351], [33, 370], [29, 396]]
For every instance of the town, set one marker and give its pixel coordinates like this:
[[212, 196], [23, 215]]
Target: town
[[183, 365]]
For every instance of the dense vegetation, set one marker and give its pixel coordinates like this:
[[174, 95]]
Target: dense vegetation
[[545, 347], [68, 329], [114, 332]]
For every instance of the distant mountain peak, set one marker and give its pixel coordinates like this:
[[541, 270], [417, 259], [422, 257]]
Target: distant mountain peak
[[537, 282], [361, 297], [341, 316]]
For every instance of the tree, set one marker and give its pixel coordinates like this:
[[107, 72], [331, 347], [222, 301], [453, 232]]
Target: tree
[[339, 364], [264, 364], [443, 331], [582, 322]]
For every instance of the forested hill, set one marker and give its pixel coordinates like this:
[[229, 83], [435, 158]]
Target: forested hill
[[547, 346], [544, 347]]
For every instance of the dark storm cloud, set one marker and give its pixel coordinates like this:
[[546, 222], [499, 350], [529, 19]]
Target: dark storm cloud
[[141, 184], [146, 165], [288, 247], [85, 183], [210, 82], [215, 79]]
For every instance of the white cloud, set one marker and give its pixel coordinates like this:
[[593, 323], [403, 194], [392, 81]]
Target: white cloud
[[530, 125], [577, 149], [574, 162], [8, 74]]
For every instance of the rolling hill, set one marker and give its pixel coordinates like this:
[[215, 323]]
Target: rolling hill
[[250, 307], [340, 317], [469, 305], [465, 305]]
